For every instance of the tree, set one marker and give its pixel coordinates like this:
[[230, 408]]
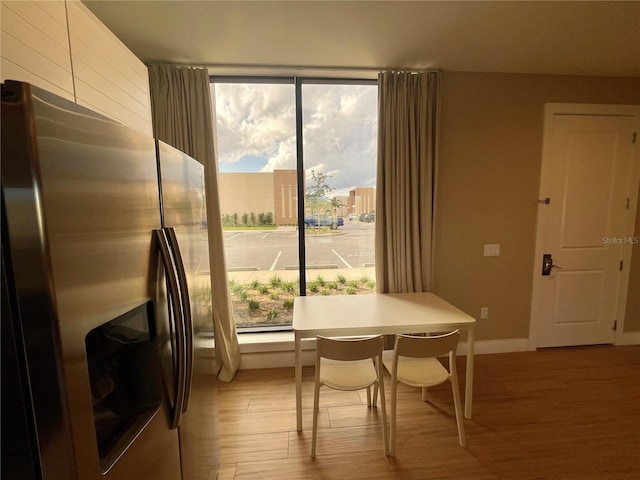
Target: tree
[[316, 194], [336, 204]]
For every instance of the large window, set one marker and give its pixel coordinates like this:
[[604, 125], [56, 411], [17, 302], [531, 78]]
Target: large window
[[297, 161]]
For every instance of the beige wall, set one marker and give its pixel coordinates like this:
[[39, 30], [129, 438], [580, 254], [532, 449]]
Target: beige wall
[[488, 178], [256, 193], [632, 316]]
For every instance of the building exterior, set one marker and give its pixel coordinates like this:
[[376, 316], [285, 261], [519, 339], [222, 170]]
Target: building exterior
[[276, 193], [285, 197], [362, 200], [246, 193]]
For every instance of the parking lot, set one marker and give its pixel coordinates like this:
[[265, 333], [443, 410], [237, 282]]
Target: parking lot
[[350, 248]]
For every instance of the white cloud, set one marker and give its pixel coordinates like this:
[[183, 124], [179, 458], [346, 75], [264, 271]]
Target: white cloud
[[339, 121], [253, 120], [284, 158]]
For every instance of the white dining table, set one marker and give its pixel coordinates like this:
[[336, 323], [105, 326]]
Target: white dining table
[[378, 313]]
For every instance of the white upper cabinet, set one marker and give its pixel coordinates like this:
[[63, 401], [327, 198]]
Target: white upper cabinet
[[35, 45], [62, 47], [108, 77]]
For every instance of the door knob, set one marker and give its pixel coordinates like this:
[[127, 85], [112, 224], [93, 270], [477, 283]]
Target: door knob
[[547, 264]]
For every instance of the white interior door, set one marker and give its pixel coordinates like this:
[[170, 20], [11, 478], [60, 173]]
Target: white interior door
[[589, 175]]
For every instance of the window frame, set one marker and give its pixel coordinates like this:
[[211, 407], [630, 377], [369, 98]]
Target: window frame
[[298, 82]]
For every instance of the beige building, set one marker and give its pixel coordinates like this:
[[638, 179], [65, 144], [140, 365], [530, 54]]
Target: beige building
[[285, 197], [260, 192], [276, 193], [248, 193], [362, 200]]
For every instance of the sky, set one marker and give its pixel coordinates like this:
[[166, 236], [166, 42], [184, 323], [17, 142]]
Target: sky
[[256, 130]]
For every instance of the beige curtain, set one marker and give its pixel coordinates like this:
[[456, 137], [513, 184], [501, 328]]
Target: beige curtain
[[407, 144], [182, 117]]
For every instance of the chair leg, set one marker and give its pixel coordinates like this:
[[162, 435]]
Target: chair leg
[[392, 435], [385, 432], [425, 394], [369, 396], [375, 394], [316, 407], [458, 406]]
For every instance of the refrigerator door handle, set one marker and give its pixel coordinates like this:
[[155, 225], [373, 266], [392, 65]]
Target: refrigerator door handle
[[186, 312], [174, 294]]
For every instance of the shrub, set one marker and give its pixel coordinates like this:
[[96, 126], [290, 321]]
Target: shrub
[[288, 286], [254, 305]]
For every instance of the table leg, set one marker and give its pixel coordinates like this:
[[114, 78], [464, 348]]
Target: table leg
[[468, 390], [298, 361]]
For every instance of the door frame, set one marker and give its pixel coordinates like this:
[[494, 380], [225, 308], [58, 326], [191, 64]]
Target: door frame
[[550, 110]]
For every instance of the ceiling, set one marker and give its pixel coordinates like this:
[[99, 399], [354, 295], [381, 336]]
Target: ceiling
[[568, 38]]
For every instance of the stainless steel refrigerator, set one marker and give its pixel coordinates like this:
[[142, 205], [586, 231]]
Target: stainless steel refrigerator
[[105, 290]]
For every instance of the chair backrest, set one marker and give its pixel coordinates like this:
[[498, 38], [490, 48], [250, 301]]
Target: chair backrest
[[349, 349], [424, 347]]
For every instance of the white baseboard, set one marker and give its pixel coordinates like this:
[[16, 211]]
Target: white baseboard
[[255, 360], [507, 345], [628, 338], [277, 350]]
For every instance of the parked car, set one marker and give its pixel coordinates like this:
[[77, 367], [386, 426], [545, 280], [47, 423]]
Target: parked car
[[322, 221], [368, 217]]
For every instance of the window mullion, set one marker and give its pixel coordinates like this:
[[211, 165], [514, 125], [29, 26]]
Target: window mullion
[[302, 261]]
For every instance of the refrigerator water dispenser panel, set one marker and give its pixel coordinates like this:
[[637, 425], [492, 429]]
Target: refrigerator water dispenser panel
[[124, 372]]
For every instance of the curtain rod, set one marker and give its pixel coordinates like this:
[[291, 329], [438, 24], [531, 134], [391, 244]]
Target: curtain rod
[[315, 67], [295, 68]]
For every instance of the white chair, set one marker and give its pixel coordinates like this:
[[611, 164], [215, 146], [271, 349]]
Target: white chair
[[413, 363], [349, 364]]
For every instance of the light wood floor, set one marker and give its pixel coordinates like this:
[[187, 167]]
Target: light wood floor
[[552, 414]]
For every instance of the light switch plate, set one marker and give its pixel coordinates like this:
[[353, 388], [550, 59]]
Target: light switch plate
[[492, 250]]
